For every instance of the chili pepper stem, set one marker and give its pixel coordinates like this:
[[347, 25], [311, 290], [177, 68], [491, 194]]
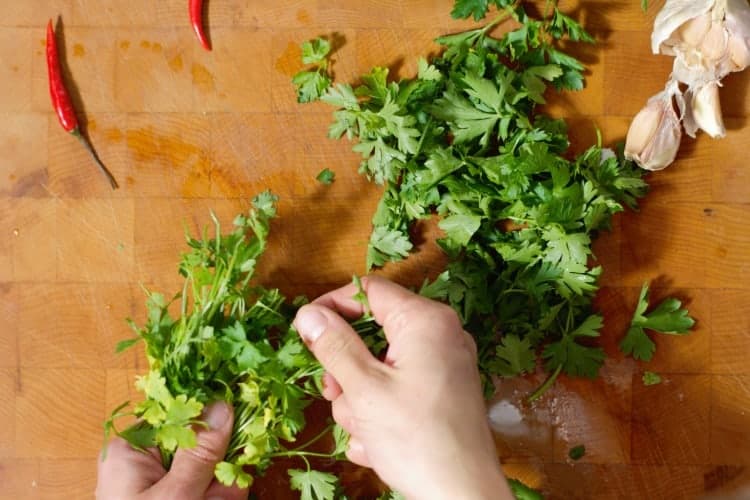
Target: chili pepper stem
[[87, 144]]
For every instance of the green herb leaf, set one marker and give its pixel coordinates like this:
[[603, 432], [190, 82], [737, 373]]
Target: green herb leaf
[[315, 51], [326, 176], [651, 378], [313, 485], [667, 318], [577, 452]]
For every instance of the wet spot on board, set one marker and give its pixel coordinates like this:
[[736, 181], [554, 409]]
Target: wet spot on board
[[113, 134], [30, 184], [203, 79], [303, 16], [145, 44], [79, 50], [15, 68], [290, 61], [175, 64], [125, 45], [150, 146], [91, 125], [156, 47]]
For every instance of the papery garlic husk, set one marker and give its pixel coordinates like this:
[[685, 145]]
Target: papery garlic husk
[[738, 26], [655, 133], [703, 111]]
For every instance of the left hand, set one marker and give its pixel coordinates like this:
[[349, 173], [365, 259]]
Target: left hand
[[130, 474]]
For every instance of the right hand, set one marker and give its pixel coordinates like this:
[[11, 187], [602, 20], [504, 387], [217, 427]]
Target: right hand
[[418, 418]]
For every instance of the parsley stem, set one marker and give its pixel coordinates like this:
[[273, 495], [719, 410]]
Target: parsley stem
[[546, 385], [327, 430], [303, 454]]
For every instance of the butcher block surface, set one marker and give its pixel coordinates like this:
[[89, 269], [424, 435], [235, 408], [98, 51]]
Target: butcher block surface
[[186, 131]]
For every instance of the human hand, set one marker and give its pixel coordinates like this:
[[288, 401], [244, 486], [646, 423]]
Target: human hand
[[418, 418], [126, 473]]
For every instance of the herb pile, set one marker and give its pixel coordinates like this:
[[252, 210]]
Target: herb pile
[[231, 341], [465, 140]]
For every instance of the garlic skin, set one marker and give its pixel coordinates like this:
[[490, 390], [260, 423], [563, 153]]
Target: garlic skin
[[655, 134], [705, 112]]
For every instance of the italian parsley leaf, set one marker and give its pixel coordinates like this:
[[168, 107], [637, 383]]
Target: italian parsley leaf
[[522, 491], [313, 485], [311, 84], [669, 317], [315, 51], [651, 378], [326, 176]]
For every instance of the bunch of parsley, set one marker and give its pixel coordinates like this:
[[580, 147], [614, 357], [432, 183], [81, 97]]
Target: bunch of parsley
[[465, 140], [231, 341]]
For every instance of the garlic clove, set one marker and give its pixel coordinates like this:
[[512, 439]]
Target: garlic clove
[[739, 52], [706, 110], [672, 16], [642, 129], [695, 30], [714, 44], [738, 25], [655, 134]]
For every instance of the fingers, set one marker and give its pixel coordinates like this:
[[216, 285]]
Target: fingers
[[126, 472], [336, 345], [219, 491], [397, 309], [331, 387], [192, 469], [342, 414], [356, 453], [382, 294]]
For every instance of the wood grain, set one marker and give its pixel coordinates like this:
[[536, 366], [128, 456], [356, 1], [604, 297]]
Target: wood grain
[[186, 131]]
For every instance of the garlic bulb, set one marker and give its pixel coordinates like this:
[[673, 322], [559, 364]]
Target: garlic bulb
[[654, 136], [709, 39]]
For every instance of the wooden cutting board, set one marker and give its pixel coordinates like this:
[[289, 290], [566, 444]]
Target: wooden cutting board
[[186, 131]]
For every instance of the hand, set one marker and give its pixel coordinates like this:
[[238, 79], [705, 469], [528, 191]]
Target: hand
[[418, 418], [129, 474]]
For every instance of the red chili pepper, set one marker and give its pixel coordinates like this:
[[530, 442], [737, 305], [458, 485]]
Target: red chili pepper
[[64, 105], [196, 19]]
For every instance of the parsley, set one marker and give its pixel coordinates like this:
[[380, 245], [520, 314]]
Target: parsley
[[231, 341], [668, 317], [326, 176], [464, 139], [577, 452], [313, 485], [312, 83], [651, 378], [523, 492]]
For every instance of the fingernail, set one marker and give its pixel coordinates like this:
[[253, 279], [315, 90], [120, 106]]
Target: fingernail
[[215, 498], [216, 415], [310, 324]]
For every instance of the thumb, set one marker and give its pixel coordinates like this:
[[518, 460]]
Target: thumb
[[336, 345], [193, 468]]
